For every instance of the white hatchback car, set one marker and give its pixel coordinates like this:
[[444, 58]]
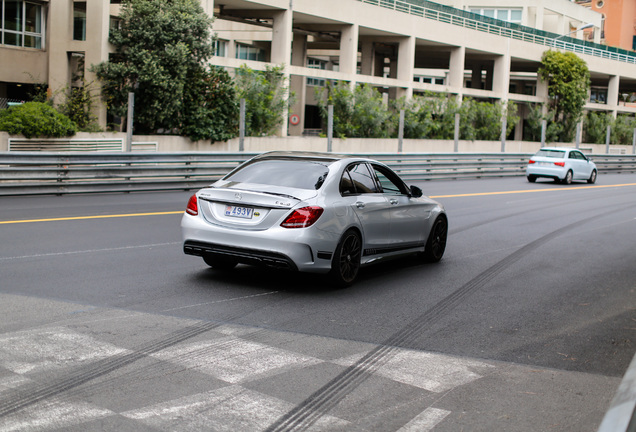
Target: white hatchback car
[[562, 164]]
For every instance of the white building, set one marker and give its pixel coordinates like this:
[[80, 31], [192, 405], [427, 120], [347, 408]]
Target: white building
[[402, 47]]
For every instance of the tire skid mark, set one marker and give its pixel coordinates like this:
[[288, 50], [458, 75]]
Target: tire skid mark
[[33, 394], [305, 414]]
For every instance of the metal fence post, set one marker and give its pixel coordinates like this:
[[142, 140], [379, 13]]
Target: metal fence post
[[504, 126], [401, 132], [130, 119], [329, 128], [634, 143], [607, 138], [456, 136], [544, 126], [242, 125], [578, 134]]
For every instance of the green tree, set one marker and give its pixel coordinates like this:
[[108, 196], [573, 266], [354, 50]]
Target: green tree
[[266, 98], [431, 115], [357, 113], [568, 79], [534, 120], [483, 120], [161, 49], [213, 109], [36, 119], [595, 126], [623, 130]]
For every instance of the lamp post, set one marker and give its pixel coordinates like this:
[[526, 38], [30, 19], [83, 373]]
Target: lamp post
[[583, 27]]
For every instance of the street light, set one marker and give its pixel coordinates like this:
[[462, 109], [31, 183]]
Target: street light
[[583, 27]]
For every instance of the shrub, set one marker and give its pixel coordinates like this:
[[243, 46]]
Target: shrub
[[34, 119]]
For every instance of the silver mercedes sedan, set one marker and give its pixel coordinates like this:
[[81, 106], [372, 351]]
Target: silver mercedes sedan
[[312, 212]]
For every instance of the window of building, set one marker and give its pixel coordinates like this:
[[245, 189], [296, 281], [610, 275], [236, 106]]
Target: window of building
[[21, 24], [512, 15], [220, 48], [428, 79], [249, 52], [79, 21], [316, 64], [598, 95]]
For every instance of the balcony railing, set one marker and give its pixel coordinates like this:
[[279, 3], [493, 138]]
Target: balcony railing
[[469, 20]]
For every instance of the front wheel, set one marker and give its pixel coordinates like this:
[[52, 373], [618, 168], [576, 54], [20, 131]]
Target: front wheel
[[436, 242], [346, 260], [592, 178], [568, 178]]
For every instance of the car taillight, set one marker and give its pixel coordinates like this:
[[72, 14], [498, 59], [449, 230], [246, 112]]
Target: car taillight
[[531, 162], [302, 217], [193, 207], [561, 164]]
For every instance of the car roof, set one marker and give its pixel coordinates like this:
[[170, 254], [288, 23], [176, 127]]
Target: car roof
[[559, 148], [315, 156]]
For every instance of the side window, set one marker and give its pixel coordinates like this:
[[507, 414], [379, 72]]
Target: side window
[[572, 155], [389, 182], [357, 180]]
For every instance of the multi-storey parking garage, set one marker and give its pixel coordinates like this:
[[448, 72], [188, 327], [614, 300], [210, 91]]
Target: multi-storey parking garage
[[401, 47]]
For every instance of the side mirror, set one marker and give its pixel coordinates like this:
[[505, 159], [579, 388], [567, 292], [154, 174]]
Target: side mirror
[[415, 191]]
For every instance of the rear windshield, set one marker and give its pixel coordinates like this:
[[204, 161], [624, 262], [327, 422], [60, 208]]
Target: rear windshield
[[286, 173], [558, 154]]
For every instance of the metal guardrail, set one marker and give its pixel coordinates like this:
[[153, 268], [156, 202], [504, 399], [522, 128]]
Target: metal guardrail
[[37, 173], [469, 20]]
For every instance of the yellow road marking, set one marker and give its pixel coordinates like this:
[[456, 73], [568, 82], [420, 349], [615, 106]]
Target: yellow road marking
[[432, 196], [533, 190], [91, 217]]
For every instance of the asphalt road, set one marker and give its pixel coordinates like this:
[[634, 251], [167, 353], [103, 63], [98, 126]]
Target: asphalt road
[[527, 324]]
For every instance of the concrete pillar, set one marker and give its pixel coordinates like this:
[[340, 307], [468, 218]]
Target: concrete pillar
[[281, 52], [538, 17], [299, 83], [349, 50], [368, 57], [208, 6], [406, 65], [612, 94], [501, 76], [59, 36], [475, 79], [98, 21], [456, 69]]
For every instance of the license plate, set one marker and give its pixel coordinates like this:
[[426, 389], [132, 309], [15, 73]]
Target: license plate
[[239, 212], [544, 164]]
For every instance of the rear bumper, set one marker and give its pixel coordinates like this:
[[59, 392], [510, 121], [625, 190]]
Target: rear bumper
[[549, 172], [241, 255], [307, 249]]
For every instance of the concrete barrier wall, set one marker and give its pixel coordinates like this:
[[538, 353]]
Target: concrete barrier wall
[[170, 143]]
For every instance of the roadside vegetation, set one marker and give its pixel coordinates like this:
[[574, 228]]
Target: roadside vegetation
[[161, 54]]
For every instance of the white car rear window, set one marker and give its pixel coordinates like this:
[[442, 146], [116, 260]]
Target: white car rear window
[[557, 154]]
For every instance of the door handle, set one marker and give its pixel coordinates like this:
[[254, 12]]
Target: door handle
[[394, 202], [360, 204]]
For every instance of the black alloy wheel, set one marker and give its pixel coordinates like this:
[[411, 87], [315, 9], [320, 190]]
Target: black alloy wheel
[[568, 178], [346, 260], [436, 243], [592, 178]]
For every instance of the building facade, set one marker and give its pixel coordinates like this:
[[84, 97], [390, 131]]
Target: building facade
[[619, 17], [465, 48]]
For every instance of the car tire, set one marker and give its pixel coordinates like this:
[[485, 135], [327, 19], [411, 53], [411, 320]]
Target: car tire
[[346, 261], [568, 177], [532, 178], [436, 242], [592, 178], [219, 263]]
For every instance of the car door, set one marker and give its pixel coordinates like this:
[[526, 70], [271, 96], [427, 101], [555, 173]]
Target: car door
[[580, 165], [360, 191], [408, 214]]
